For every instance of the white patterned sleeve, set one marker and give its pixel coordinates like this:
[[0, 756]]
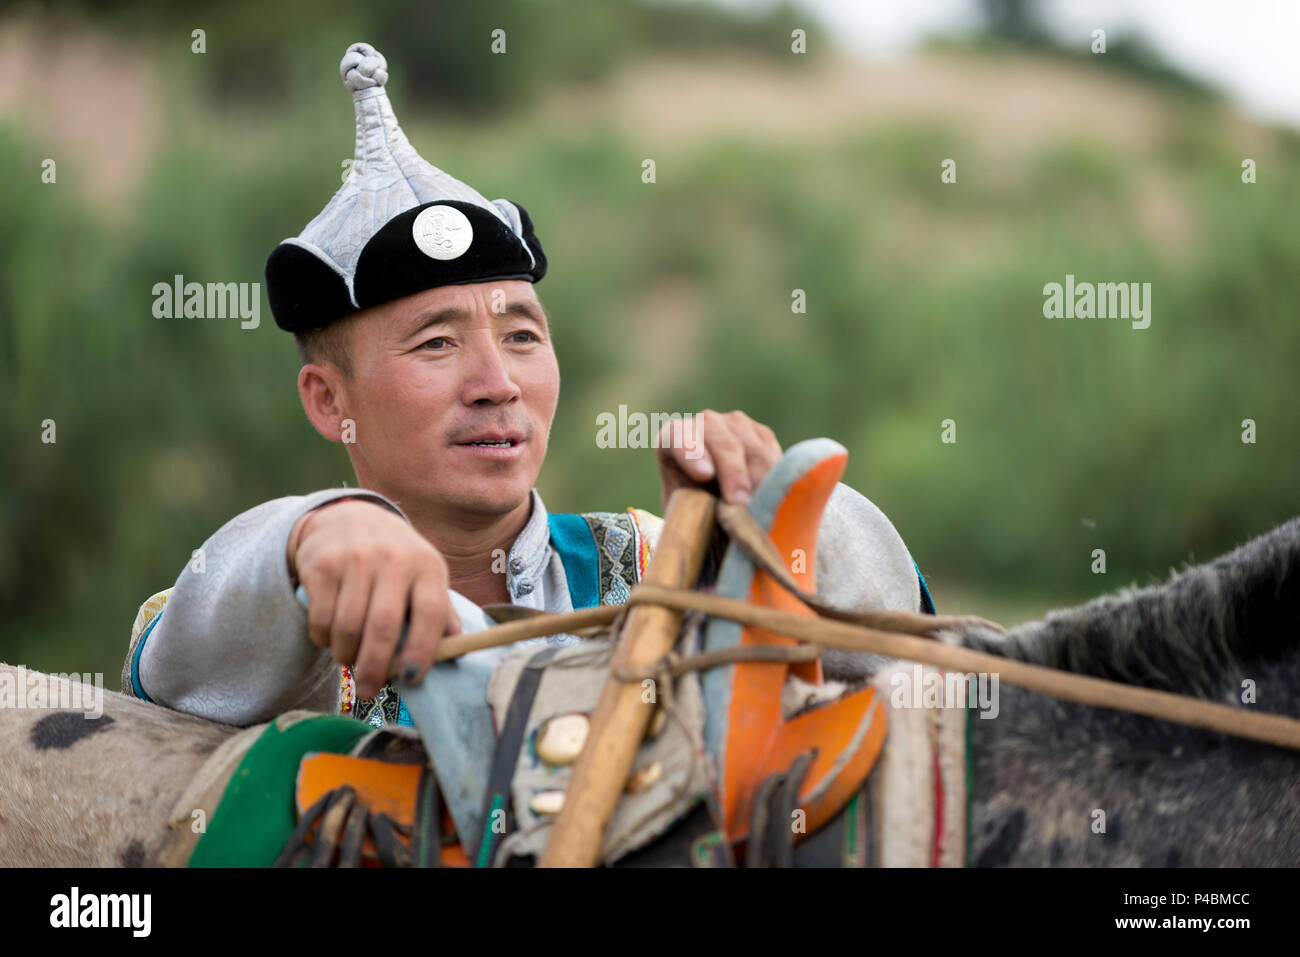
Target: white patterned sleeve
[[231, 643]]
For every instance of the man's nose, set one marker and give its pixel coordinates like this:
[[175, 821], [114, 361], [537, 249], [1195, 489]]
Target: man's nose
[[488, 378]]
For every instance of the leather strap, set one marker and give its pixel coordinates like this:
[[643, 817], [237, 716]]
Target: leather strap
[[771, 830], [506, 758]]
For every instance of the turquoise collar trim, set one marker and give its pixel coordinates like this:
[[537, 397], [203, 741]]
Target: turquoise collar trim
[[571, 537]]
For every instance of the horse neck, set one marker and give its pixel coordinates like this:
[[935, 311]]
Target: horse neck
[[1061, 783], [1058, 783]]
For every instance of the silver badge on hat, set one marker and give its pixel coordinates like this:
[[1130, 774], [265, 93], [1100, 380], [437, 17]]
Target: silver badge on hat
[[442, 232]]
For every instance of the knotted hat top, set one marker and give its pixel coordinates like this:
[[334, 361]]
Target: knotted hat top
[[397, 226]]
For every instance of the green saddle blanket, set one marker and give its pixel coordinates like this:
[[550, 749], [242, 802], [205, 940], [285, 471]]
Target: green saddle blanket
[[257, 814]]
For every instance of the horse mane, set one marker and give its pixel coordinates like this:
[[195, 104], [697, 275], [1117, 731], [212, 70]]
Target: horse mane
[[1192, 634]]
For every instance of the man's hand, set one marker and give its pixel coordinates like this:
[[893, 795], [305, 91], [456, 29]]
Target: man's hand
[[731, 450], [363, 566]]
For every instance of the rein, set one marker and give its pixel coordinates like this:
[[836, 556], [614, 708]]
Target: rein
[[893, 634]]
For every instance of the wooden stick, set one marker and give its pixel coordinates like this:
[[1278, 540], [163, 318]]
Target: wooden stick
[[619, 722], [1267, 727], [534, 626]]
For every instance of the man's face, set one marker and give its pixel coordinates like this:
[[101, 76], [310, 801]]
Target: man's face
[[433, 373]]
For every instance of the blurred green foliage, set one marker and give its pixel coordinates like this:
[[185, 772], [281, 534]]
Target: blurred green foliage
[[924, 304]]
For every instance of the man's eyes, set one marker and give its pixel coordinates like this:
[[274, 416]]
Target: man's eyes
[[531, 337]]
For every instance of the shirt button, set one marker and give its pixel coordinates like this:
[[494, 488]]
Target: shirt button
[[525, 588], [516, 565]]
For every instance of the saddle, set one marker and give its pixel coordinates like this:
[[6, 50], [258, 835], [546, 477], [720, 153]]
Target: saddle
[[751, 755], [833, 745]]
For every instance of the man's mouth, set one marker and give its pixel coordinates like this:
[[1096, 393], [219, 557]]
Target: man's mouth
[[494, 440]]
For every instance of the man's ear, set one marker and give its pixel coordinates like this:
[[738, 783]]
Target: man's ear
[[320, 388]]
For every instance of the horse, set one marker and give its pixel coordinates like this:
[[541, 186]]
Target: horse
[[1053, 783]]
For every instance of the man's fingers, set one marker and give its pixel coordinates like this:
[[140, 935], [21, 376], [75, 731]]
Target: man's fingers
[[731, 449], [360, 566], [681, 445], [384, 619], [728, 455], [762, 451], [322, 594], [349, 616], [431, 617]]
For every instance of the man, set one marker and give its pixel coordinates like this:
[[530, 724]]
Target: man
[[428, 354]]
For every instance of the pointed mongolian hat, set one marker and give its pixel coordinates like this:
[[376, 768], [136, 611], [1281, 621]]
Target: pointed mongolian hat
[[397, 226]]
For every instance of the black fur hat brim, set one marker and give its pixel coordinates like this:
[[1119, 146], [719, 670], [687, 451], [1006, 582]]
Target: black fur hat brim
[[306, 292]]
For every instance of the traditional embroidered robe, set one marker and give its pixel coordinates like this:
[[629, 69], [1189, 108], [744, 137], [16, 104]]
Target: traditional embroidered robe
[[232, 646]]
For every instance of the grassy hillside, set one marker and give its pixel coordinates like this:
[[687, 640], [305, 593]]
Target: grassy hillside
[[924, 304]]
